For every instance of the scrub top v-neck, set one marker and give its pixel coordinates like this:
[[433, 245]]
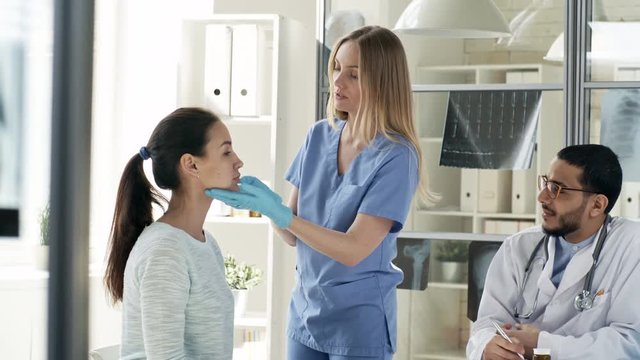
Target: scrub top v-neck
[[336, 308]]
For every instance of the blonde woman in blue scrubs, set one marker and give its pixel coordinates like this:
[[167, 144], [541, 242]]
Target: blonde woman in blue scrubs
[[354, 179]]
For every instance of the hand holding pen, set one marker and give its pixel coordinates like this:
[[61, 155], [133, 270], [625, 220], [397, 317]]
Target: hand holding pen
[[526, 334], [502, 347], [504, 335]]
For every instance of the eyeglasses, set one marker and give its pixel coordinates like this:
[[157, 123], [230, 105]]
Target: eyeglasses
[[554, 188]]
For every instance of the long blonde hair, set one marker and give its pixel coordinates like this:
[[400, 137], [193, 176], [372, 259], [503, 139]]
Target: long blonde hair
[[385, 92]]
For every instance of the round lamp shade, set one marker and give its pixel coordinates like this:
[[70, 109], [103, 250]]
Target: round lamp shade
[[453, 19]]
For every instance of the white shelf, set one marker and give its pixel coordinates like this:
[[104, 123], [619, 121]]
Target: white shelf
[[446, 213], [477, 214], [251, 320], [452, 236], [507, 216], [431, 139], [473, 68], [457, 354], [444, 285]]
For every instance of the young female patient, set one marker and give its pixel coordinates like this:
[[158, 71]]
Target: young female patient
[[169, 274]]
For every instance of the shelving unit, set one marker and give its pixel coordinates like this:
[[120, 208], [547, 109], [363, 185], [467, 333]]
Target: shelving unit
[[229, 65], [435, 319], [459, 188]]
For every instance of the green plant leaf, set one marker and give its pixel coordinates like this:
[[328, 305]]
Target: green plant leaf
[[451, 250], [240, 275], [43, 219]]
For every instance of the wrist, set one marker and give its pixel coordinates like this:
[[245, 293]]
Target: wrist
[[284, 217]]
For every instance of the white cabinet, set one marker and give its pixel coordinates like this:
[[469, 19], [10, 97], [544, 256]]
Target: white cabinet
[[433, 323], [229, 64]]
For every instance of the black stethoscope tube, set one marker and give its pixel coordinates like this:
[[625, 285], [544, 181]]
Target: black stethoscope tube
[[584, 300]]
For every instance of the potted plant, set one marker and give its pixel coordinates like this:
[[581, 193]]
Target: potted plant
[[41, 251], [240, 278], [453, 254]]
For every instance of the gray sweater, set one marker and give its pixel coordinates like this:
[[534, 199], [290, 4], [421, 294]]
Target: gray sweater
[[176, 302]]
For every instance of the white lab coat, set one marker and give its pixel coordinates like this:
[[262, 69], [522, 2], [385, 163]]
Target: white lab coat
[[609, 330]]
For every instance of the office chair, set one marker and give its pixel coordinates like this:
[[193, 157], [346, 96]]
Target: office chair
[[111, 352], [480, 255]]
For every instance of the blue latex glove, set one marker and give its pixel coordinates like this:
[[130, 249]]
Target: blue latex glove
[[255, 195]]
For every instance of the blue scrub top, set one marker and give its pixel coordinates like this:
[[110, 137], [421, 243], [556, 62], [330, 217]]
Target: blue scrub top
[[335, 308]]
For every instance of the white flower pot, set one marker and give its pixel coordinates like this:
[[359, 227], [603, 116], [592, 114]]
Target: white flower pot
[[452, 271], [41, 257], [239, 301]]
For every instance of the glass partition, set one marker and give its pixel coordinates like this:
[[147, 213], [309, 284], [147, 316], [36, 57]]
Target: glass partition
[[614, 52], [537, 39], [615, 122]]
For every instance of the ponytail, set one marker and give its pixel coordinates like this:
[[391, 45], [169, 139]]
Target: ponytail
[[133, 212]]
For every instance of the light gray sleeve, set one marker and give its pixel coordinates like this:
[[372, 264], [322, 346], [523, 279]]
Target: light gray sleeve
[[164, 290]]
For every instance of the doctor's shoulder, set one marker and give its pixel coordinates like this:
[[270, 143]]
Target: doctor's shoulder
[[524, 241], [626, 234], [629, 227], [524, 235]]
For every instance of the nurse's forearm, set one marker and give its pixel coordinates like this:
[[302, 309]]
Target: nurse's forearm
[[285, 235], [348, 248]]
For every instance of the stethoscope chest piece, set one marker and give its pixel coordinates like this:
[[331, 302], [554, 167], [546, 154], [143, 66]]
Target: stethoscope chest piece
[[583, 301]]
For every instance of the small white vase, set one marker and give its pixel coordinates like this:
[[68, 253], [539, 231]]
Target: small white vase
[[452, 271], [41, 257], [239, 301]]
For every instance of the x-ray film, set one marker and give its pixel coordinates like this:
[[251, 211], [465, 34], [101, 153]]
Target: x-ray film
[[491, 129], [620, 128], [413, 260]]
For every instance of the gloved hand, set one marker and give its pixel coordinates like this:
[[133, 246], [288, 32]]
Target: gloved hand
[[255, 195]]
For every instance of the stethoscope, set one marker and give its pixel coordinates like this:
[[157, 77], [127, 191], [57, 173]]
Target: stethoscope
[[584, 299]]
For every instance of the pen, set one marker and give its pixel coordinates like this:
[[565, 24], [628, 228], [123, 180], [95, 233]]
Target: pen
[[504, 335]]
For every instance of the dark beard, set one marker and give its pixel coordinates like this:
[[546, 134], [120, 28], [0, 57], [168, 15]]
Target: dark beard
[[562, 231], [568, 223]]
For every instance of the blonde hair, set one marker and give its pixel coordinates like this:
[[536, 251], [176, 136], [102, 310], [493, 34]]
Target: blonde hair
[[385, 93]]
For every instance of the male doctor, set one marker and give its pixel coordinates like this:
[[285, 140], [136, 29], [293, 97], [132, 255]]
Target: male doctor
[[573, 284]]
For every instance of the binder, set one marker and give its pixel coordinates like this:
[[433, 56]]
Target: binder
[[522, 77], [523, 225], [490, 227], [630, 200], [217, 68], [507, 227], [514, 77], [468, 189], [524, 192], [530, 77], [244, 70], [494, 191]]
